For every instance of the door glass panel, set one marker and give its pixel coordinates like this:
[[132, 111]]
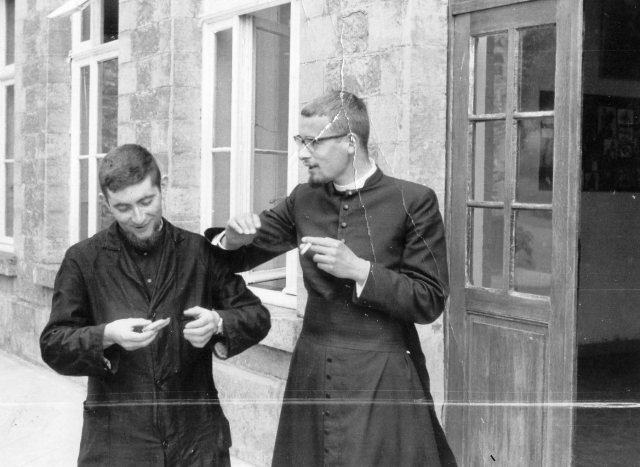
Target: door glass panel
[[221, 183], [532, 268], [8, 200], [488, 161], [222, 93], [104, 216], [486, 231], [85, 28], [534, 180], [84, 109], [537, 68], [490, 75], [110, 20]]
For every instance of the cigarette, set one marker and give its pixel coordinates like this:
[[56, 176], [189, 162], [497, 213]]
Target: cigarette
[[304, 247]]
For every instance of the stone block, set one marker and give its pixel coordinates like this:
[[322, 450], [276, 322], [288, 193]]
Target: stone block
[[57, 145], [143, 133], [33, 172], [150, 39], [8, 263], [127, 78], [394, 69], [187, 35], [44, 274], [319, 39], [124, 108], [187, 69], [313, 8], [151, 11], [33, 73], [124, 43], [186, 102], [430, 23], [185, 172], [160, 136], [387, 25], [285, 329], [54, 248], [153, 72], [151, 105], [183, 204], [126, 132], [186, 8], [58, 70], [59, 41], [186, 138], [252, 404], [353, 30], [264, 360], [127, 16], [359, 74], [386, 114]]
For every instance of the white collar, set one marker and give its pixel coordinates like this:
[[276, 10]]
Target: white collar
[[358, 182]]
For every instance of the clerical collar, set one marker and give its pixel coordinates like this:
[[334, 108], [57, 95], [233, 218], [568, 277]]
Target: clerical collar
[[358, 182]]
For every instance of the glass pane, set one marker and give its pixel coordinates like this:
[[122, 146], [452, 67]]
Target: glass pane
[[84, 198], [488, 161], [221, 188], [109, 20], [10, 31], [9, 141], [487, 231], [490, 74], [534, 182], [85, 28], [104, 216], [108, 102], [533, 252], [8, 197], [84, 109], [222, 97], [537, 68]]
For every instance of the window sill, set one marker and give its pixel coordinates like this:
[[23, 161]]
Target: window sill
[[45, 274], [8, 264], [272, 297], [285, 329]]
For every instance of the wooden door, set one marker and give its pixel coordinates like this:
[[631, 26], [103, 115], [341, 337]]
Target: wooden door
[[514, 147]]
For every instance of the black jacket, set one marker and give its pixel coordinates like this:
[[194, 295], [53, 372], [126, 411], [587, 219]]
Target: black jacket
[[157, 405]]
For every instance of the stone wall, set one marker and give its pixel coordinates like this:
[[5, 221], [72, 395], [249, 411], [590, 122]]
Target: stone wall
[[391, 52]]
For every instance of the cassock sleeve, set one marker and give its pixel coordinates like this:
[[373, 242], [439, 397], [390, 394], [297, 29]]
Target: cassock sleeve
[[71, 343], [418, 289], [276, 236]]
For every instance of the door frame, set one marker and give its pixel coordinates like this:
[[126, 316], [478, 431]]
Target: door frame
[[562, 352]]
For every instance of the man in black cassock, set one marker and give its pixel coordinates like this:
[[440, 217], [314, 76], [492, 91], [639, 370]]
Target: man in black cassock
[[373, 256]]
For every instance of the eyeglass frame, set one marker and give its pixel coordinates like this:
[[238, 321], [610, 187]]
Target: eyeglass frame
[[310, 145]]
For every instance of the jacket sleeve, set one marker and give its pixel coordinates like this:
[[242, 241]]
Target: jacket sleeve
[[245, 320], [418, 289], [71, 343], [276, 236]]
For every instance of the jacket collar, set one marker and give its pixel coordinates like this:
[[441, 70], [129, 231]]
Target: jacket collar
[[113, 241], [371, 182]]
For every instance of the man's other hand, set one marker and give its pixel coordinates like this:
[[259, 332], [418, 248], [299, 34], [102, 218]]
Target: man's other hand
[[123, 332], [203, 325], [336, 258], [240, 230]]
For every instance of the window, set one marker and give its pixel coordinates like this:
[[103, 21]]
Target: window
[[7, 124], [94, 114], [247, 127]]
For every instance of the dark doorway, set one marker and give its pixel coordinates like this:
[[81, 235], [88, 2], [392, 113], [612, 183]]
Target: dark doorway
[[607, 425]]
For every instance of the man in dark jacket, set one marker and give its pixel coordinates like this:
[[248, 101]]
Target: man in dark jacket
[[139, 308], [373, 258]]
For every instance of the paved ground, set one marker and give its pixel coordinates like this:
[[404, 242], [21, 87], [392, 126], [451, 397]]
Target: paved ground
[[41, 416]]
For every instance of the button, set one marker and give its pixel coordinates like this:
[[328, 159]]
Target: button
[[349, 193], [328, 396], [145, 253], [345, 207], [343, 225], [326, 413], [329, 359], [326, 450], [165, 443], [326, 431], [157, 382], [328, 376], [149, 281]]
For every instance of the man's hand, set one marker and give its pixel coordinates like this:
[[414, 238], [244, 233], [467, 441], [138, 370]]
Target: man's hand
[[204, 324], [122, 332], [240, 231], [336, 258]]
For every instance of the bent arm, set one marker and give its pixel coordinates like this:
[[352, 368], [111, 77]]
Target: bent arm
[[71, 343], [418, 290]]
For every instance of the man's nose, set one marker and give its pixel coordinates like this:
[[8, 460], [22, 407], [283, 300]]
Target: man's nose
[[137, 216], [304, 153]]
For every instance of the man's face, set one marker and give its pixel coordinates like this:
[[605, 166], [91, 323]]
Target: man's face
[[328, 159], [137, 209]]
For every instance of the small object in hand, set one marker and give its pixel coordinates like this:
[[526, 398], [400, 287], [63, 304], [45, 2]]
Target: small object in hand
[[304, 247], [156, 325]]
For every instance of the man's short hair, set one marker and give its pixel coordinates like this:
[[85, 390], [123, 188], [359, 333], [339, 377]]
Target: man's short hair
[[127, 165], [347, 112]]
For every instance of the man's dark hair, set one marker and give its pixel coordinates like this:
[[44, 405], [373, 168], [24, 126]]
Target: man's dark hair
[[127, 165], [347, 112]]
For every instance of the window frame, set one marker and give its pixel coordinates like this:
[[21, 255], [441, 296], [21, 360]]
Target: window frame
[[86, 53], [7, 78], [220, 18]]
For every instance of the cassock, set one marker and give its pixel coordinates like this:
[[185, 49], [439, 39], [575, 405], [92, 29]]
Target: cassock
[[357, 392]]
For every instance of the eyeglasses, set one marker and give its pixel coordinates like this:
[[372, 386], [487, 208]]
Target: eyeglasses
[[311, 143]]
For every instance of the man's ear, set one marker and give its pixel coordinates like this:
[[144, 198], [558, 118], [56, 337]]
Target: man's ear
[[164, 184], [103, 199]]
